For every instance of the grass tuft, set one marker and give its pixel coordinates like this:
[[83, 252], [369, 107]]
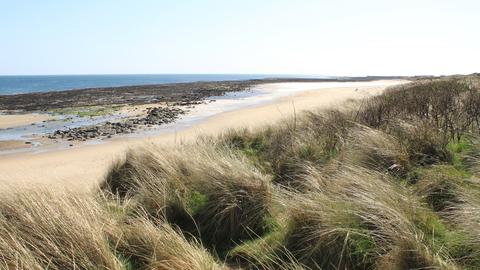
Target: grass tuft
[[46, 229], [209, 191]]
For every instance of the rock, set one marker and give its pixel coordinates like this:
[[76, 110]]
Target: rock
[[155, 116]]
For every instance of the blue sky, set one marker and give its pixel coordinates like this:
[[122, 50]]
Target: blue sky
[[341, 37]]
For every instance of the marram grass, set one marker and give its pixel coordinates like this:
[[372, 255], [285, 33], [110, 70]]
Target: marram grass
[[390, 182]]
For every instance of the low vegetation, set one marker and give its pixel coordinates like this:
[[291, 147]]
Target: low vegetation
[[58, 119], [390, 182], [84, 111], [89, 111], [70, 113]]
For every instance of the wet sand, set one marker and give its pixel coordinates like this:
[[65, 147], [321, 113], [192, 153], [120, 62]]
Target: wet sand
[[84, 165], [20, 120]]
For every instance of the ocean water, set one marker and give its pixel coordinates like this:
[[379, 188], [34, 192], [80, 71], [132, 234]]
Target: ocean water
[[10, 85]]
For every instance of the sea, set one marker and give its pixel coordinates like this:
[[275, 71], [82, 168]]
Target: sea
[[20, 84]]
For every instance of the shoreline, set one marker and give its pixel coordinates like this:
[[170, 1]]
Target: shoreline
[[37, 136], [84, 164], [149, 93]]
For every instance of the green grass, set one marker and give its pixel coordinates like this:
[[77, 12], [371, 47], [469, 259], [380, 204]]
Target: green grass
[[76, 111], [56, 120], [386, 183], [83, 111], [457, 148]]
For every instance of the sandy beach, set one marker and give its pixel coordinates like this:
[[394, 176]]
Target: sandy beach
[[85, 164], [7, 121]]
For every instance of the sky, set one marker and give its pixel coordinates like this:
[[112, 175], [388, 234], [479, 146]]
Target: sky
[[336, 37]]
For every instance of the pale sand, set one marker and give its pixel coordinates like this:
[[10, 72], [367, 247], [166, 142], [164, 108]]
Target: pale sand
[[85, 166], [20, 120]]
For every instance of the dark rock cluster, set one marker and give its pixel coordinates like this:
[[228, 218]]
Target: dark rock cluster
[[155, 116], [178, 93]]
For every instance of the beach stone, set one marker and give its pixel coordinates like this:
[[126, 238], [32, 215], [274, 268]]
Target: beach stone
[[155, 116]]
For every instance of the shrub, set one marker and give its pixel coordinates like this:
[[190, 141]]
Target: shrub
[[448, 107]]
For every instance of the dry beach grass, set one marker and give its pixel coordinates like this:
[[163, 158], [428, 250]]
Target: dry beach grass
[[382, 183]]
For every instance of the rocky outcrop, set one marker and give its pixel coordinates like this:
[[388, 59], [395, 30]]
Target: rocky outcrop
[[155, 117], [178, 93]]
